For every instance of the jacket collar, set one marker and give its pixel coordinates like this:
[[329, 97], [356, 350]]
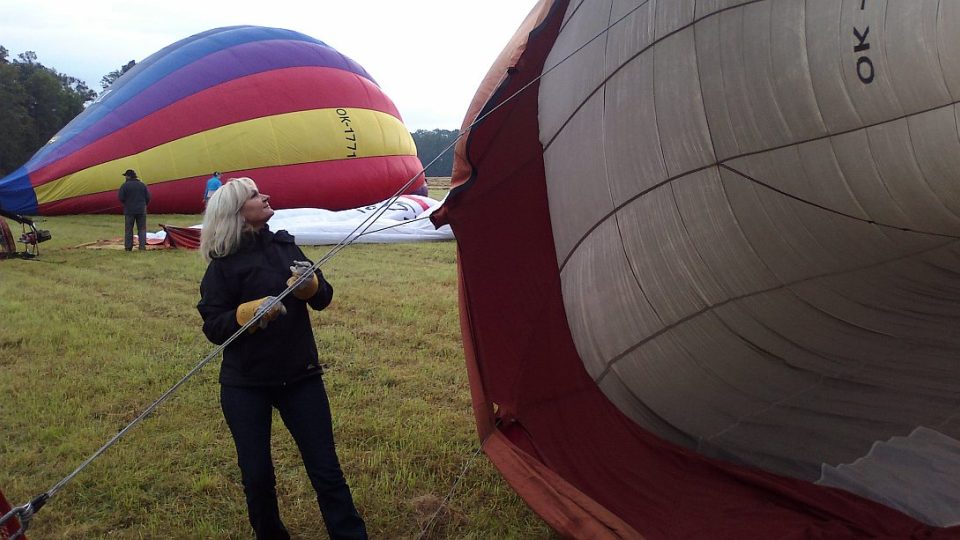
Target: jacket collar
[[263, 237], [250, 239]]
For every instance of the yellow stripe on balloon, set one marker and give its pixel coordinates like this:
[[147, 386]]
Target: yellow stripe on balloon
[[271, 141]]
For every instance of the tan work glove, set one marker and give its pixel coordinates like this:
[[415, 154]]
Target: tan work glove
[[309, 286], [254, 308]]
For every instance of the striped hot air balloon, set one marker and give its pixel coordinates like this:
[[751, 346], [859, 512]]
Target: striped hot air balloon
[[308, 123]]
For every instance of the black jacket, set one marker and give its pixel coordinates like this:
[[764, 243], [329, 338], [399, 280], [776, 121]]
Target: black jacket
[[283, 352], [135, 196]]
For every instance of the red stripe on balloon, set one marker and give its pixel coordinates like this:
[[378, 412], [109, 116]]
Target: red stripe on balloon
[[420, 202], [332, 185], [264, 94]]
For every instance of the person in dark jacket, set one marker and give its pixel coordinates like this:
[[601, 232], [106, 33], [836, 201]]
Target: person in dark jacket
[[274, 363], [135, 197]]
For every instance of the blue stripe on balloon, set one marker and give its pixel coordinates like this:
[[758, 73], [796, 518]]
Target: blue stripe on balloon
[[16, 193]]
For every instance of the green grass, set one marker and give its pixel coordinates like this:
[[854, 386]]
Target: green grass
[[90, 337]]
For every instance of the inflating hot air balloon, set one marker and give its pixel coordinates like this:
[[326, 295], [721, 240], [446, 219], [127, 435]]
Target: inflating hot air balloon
[[710, 277], [309, 124]]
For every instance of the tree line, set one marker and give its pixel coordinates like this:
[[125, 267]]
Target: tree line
[[430, 144], [37, 101]]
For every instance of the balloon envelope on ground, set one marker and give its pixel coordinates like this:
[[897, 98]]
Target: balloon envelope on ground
[[404, 220], [710, 279], [307, 123]]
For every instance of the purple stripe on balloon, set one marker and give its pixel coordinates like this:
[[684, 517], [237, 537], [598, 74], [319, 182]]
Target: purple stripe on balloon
[[209, 71]]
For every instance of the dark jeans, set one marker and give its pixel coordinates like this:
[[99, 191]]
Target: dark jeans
[[305, 411], [128, 220]]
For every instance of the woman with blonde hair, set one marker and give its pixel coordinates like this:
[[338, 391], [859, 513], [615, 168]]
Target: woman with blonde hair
[[274, 364]]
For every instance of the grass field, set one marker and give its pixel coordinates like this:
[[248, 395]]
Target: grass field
[[91, 337]]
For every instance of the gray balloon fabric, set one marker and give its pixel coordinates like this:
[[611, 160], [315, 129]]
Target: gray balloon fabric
[[756, 208]]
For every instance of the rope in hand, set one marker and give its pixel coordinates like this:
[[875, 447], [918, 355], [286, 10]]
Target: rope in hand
[[25, 512]]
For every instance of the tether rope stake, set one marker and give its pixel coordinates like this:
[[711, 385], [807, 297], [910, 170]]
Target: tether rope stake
[[463, 472], [443, 504], [25, 512]]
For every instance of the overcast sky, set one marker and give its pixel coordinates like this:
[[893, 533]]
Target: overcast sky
[[427, 55]]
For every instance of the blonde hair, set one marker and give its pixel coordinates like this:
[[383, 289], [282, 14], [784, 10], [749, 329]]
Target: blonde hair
[[223, 225]]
